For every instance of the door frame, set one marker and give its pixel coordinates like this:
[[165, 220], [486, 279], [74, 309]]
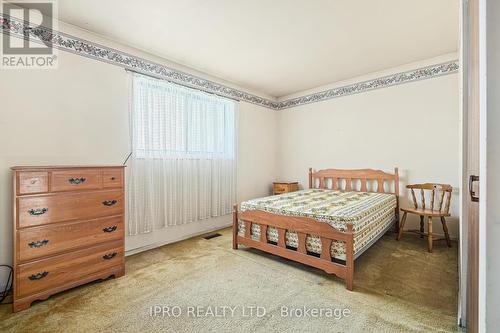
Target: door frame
[[466, 90], [482, 167]]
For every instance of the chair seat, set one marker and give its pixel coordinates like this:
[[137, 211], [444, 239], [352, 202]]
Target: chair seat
[[425, 212]]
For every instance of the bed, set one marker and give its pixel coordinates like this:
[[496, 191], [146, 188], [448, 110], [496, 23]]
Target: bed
[[328, 225]]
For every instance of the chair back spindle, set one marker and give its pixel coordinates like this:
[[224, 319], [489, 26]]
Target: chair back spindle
[[415, 205], [448, 200], [433, 193], [441, 198], [422, 198]]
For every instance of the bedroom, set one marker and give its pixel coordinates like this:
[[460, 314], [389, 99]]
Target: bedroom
[[148, 121]]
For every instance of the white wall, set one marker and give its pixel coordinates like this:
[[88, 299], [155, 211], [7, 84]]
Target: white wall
[[493, 167], [78, 114], [415, 126]]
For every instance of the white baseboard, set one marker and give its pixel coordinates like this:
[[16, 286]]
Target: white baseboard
[[175, 234]]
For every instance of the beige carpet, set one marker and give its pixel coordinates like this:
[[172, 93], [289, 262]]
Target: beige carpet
[[399, 287]]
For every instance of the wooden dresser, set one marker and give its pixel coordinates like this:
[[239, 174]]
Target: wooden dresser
[[68, 229]]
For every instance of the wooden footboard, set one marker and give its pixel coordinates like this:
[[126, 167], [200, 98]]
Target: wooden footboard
[[303, 226]]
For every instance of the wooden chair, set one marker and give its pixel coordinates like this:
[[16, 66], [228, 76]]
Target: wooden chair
[[441, 190]]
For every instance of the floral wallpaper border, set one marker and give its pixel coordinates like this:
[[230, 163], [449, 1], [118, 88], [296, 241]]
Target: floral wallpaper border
[[95, 51], [382, 82]]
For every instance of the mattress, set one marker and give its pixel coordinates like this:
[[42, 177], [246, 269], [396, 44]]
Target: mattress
[[371, 215]]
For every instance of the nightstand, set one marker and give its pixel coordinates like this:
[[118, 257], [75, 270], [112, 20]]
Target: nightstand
[[284, 187]]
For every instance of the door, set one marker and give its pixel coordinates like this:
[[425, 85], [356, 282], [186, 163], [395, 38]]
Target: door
[[472, 81]]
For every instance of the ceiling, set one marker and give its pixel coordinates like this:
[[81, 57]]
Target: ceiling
[[276, 47]]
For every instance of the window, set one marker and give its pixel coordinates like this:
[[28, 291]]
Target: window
[[183, 166], [178, 122]]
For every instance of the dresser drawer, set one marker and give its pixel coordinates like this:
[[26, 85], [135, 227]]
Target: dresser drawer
[[45, 274], [30, 182], [112, 178], [45, 209], [75, 179], [52, 239], [279, 188], [284, 187]]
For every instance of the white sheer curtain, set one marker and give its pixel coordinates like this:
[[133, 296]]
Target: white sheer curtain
[[183, 165]]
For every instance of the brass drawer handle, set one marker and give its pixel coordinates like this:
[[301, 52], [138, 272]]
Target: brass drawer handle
[[38, 243], [38, 211], [110, 229], [109, 202], [76, 181], [38, 276], [109, 256]]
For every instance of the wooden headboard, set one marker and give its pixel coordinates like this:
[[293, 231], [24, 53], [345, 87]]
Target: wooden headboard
[[344, 180]]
